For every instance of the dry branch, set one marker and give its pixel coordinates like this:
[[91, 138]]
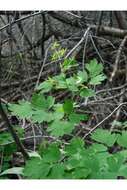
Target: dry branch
[[118, 58], [105, 119]]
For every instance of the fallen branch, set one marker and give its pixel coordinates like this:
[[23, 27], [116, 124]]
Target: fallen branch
[[102, 30]]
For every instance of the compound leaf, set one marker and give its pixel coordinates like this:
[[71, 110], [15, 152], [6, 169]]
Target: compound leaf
[[76, 145], [97, 79], [68, 63], [45, 86], [59, 128], [71, 84], [86, 92], [22, 110], [35, 168], [94, 68], [82, 76], [51, 154], [57, 171], [122, 139], [41, 115], [104, 136], [76, 117]]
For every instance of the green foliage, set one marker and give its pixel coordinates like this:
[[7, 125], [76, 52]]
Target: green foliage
[[95, 72], [68, 106], [6, 138], [55, 45], [73, 159], [68, 63], [59, 81], [97, 79], [39, 101], [82, 76], [75, 146], [59, 128], [104, 137], [40, 116], [58, 112], [76, 117], [58, 54], [94, 68], [72, 84], [7, 148], [76, 160], [58, 51], [95, 147], [87, 92], [46, 86], [46, 165], [51, 154], [122, 139], [56, 172], [22, 110], [35, 168], [78, 82]]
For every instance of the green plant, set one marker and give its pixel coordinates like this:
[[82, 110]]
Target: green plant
[[58, 51], [45, 109], [74, 159], [8, 147]]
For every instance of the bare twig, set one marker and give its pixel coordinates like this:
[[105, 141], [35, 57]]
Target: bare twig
[[78, 44], [21, 19], [112, 89], [96, 49], [121, 100], [118, 58], [43, 35], [77, 16], [84, 52], [105, 119], [99, 22], [33, 137], [42, 67]]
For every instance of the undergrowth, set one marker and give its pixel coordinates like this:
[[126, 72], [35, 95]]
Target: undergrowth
[[73, 158]]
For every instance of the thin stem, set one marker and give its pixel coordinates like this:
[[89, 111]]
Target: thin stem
[[13, 133]]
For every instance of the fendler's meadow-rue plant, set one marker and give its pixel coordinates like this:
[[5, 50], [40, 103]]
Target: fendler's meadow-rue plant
[[73, 159]]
